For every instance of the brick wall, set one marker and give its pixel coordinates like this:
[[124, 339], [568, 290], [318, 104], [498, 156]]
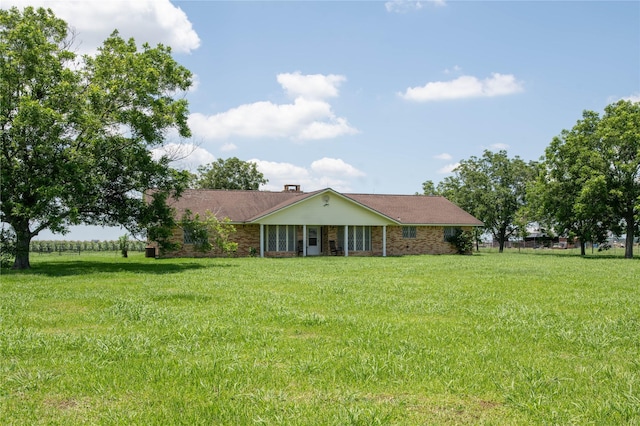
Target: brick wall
[[247, 236], [429, 240]]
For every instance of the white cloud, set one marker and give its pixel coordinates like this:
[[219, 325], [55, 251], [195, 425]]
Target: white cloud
[[313, 86], [195, 83], [323, 173], [228, 147], [464, 87], [448, 168], [280, 174], [307, 118], [152, 21], [498, 146], [404, 6], [326, 130], [456, 69], [184, 156], [633, 98], [443, 156], [335, 167]]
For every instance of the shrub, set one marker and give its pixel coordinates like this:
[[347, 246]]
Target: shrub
[[123, 243], [7, 247], [462, 241]]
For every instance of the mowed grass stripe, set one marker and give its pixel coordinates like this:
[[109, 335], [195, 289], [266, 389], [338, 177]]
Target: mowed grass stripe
[[485, 339]]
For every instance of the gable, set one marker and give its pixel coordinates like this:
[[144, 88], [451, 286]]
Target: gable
[[324, 208]]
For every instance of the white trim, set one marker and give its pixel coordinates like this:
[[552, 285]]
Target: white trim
[[346, 241], [261, 240], [314, 250], [304, 240], [384, 241]]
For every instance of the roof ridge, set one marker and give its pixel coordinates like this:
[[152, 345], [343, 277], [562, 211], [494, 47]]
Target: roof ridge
[[393, 195]]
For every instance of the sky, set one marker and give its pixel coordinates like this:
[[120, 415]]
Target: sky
[[374, 96]]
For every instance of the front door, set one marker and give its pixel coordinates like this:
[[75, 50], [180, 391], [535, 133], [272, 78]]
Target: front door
[[313, 240]]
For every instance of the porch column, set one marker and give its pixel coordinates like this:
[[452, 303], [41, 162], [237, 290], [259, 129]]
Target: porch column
[[304, 240], [346, 241], [384, 240], [261, 240]]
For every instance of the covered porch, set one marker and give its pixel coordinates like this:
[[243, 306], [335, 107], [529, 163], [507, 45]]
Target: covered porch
[[322, 240], [308, 227]]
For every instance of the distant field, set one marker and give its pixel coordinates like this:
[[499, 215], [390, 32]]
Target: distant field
[[539, 337]]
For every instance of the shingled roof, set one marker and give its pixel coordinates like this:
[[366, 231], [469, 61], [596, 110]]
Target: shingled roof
[[417, 209], [249, 206]]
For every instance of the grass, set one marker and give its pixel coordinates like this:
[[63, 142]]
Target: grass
[[515, 338]]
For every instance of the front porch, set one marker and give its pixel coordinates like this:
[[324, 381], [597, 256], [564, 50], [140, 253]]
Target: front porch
[[322, 240]]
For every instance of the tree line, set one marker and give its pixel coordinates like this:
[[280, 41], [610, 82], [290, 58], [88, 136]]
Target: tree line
[[585, 186], [48, 246]]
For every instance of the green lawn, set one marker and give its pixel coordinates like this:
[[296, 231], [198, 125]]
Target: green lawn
[[485, 339]]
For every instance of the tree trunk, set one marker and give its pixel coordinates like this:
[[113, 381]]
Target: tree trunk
[[501, 237], [583, 248], [23, 240], [628, 246]]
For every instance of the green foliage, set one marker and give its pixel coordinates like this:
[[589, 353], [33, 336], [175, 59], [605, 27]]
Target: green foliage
[[7, 247], [429, 188], [462, 241], [510, 339], [231, 173], [492, 188], [77, 131], [590, 183], [76, 247], [123, 245], [619, 131], [209, 233]]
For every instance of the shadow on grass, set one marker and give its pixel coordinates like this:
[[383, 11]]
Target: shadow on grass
[[88, 267]]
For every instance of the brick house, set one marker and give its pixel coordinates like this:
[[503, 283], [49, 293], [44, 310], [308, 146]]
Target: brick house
[[325, 222]]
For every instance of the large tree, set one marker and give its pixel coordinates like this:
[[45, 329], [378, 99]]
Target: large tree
[[591, 183], [570, 193], [619, 134], [231, 173], [492, 188], [76, 132]]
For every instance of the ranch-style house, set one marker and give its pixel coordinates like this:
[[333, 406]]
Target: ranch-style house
[[325, 222]]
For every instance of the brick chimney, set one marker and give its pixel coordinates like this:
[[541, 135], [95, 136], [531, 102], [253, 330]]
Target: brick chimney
[[292, 188]]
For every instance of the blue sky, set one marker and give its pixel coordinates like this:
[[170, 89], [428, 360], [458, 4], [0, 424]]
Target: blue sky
[[377, 97]]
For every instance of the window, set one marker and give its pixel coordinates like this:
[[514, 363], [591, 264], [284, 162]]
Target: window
[[359, 238], [190, 237], [450, 231], [280, 238], [409, 232]]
